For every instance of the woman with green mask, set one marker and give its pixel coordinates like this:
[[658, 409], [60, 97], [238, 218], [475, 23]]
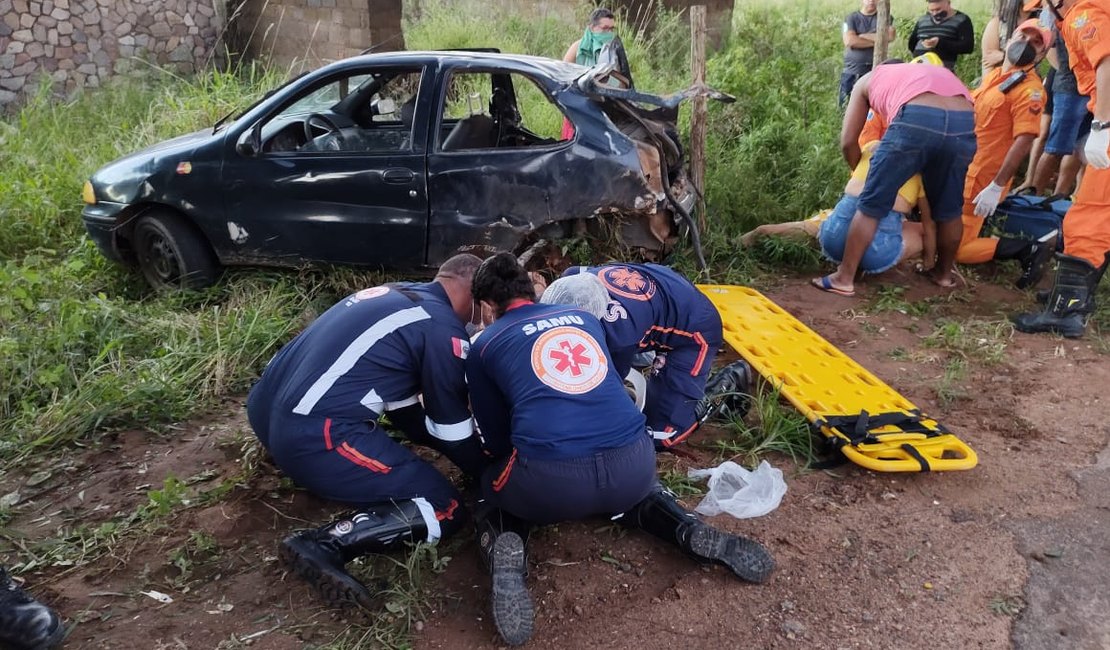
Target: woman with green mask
[[600, 30]]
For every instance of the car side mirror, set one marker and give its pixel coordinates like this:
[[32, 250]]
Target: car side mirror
[[385, 106], [251, 142]]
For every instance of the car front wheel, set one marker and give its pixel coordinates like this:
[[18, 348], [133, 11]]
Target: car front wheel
[[172, 254]]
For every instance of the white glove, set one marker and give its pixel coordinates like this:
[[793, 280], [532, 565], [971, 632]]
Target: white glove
[[988, 200], [1098, 142]]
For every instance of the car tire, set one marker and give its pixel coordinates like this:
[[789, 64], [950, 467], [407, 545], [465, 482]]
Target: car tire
[[172, 254]]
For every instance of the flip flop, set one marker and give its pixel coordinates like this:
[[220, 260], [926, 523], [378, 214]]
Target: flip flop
[[823, 284]]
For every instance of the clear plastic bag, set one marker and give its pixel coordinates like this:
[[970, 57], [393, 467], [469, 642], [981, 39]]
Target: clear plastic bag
[[740, 492]]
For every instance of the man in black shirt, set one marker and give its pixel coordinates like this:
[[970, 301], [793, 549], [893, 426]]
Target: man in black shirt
[[859, 45], [943, 30]]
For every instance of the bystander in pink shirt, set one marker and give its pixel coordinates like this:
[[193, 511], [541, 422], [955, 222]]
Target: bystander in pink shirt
[[896, 84]]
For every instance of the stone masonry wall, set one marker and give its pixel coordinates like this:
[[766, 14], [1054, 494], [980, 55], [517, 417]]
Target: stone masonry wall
[[81, 43]]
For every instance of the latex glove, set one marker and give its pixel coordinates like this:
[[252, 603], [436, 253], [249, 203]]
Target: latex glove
[[988, 200], [1098, 142]]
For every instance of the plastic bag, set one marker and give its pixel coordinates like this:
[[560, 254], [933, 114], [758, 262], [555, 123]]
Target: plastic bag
[[740, 492]]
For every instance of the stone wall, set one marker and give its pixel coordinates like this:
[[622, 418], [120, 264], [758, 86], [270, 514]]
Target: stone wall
[[81, 43], [304, 34]]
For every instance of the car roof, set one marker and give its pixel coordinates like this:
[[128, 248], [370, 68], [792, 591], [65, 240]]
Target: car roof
[[524, 63]]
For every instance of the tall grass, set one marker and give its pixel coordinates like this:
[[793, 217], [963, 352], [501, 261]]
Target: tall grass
[[83, 346]]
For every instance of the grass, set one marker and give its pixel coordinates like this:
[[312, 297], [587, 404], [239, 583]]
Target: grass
[[778, 428], [972, 339]]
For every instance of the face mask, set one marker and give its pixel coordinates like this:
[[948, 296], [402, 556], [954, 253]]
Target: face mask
[[471, 327], [1045, 19], [1020, 53], [601, 38], [940, 16]]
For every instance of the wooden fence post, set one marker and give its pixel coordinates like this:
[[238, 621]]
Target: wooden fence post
[[698, 116]]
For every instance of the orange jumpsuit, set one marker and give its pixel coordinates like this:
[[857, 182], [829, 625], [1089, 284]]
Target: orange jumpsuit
[[873, 128], [1086, 32], [999, 119]]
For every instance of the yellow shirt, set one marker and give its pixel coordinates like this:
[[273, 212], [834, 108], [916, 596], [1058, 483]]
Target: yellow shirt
[[911, 191]]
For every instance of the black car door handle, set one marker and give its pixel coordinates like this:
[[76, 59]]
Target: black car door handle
[[398, 176]]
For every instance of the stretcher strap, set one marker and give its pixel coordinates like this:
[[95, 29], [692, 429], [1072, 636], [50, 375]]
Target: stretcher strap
[[861, 428]]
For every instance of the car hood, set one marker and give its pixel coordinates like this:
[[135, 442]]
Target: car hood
[[179, 144], [120, 180]]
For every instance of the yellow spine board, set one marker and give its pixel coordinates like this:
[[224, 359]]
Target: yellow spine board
[[823, 383]]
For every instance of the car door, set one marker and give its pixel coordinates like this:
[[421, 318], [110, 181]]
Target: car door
[[497, 161], [331, 176]]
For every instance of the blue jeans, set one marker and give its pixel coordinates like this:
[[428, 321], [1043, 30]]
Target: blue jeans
[[935, 142], [885, 249], [1069, 113], [847, 82]]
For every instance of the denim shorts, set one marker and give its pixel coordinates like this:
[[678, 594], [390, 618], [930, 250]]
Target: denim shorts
[[937, 143], [1069, 116], [885, 249]]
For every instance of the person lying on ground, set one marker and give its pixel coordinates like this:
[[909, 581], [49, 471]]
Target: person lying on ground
[[568, 442], [896, 239], [1008, 107], [932, 132], [25, 623], [394, 350]]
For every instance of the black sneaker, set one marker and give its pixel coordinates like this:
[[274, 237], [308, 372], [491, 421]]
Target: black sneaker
[[25, 623], [744, 557], [512, 604], [323, 568]]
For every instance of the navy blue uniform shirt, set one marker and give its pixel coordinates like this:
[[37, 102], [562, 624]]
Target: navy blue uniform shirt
[[542, 381], [652, 308], [376, 351]]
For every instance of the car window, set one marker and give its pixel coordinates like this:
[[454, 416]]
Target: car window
[[486, 110], [363, 112]]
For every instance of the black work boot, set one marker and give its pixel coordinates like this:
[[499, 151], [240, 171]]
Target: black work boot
[[501, 540], [661, 515], [729, 389], [1033, 256], [319, 556], [25, 623], [1044, 294], [1070, 304]]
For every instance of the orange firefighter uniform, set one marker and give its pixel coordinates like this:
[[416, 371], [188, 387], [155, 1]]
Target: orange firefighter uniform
[[1086, 32], [1000, 117]]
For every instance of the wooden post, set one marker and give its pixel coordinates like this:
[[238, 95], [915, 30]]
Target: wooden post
[[882, 33], [698, 116]]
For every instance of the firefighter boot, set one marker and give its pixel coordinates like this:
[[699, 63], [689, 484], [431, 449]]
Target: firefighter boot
[[728, 389], [25, 623], [661, 515], [1069, 305], [1033, 256], [501, 540], [1044, 294], [319, 556]]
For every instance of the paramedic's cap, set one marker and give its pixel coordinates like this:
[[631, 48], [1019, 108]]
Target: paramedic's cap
[[1032, 5], [583, 290], [930, 58], [1033, 29]]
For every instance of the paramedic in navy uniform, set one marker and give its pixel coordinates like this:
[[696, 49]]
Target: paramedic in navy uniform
[[316, 410], [568, 442], [654, 309]]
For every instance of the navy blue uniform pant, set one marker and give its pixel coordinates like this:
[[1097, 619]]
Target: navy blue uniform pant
[[674, 390], [540, 491], [353, 462]]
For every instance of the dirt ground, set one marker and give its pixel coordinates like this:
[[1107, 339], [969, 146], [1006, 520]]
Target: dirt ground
[[1010, 554]]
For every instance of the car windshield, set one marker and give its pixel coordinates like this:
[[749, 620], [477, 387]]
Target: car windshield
[[223, 121]]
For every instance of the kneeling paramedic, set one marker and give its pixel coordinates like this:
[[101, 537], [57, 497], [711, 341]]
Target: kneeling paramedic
[[651, 308], [316, 409], [569, 443]]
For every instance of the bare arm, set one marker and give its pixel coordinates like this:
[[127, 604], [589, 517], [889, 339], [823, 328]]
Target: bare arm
[[992, 52], [928, 234], [1017, 153], [859, 41], [855, 116], [1102, 90], [572, 52]]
